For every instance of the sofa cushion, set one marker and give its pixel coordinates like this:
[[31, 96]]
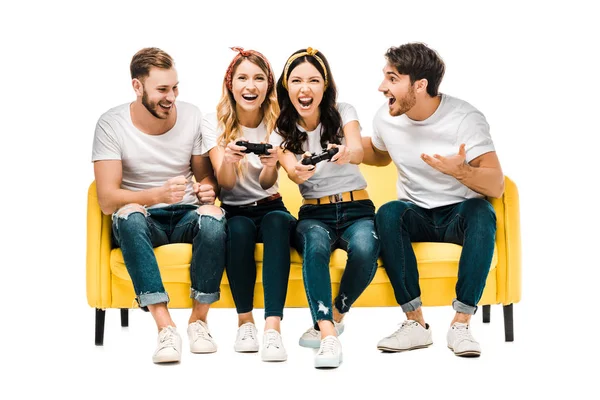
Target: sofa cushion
[[436, 260]]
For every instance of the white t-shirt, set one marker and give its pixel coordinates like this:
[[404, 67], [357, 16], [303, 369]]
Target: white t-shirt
[[453, 123], [150, 160], [247, 188], [329, 178]]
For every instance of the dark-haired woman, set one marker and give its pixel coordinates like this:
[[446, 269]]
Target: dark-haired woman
[[336, 210]]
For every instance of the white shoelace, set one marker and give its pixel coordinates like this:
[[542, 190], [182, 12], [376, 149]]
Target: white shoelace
[[271, 338], [167, 338], [327, 346], [463, 333], [247, 332], [201, 332], [404, 328]]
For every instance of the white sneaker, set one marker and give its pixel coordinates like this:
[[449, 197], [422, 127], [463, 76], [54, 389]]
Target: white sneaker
[[461, 342], [246, 340], [273, 349], [329, 354], [312, 337], [411, 335], [201, 341], [168, 348]]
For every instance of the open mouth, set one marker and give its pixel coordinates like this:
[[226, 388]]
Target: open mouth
[[305, 102], [391, 101], [166, 107], [249, 97]]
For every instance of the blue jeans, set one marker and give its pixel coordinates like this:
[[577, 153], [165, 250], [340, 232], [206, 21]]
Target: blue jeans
[[269, 223], [471, 224], [323, 228], [137, 235]]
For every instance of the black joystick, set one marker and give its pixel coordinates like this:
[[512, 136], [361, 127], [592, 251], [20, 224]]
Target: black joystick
[[317, 158], [256, 148]]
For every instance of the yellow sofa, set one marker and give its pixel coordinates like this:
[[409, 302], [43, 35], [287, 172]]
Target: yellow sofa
[[109, 285]]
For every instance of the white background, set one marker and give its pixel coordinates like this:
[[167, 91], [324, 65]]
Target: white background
[[531, 68]]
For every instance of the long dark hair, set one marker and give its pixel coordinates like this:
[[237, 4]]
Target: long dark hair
[[330, 118]]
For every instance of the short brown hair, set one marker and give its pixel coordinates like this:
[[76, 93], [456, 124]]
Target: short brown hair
[[418, 61], [147, 58]]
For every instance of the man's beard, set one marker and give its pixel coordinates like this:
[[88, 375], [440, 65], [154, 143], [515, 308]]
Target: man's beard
[[152, 107], [406, 103]]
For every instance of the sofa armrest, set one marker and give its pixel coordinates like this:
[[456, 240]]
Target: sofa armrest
[[97, 253], [508, 242]]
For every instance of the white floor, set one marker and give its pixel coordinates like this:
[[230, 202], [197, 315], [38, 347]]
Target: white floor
[[65, 361]]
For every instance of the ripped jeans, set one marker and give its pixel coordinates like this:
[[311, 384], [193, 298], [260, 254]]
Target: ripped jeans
[[137, 234], [320, 230]]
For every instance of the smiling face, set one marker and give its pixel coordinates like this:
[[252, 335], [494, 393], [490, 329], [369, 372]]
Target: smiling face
[[399, 91], [160, 89], [249, 87], [306, 87]]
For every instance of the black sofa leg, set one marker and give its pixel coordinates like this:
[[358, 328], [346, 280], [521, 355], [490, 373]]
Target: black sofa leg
[[486, 313], [124, 317], [509, 334], [100, 316]]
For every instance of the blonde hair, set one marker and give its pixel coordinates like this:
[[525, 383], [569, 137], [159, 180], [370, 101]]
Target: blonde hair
[[227, 121]]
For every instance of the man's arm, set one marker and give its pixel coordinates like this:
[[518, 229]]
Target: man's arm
[[372, 155], [108, 175], [203, 172], [483, 175]]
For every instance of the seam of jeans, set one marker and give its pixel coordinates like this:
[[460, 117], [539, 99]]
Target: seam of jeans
[[308, 296], [191, 221], [232, 282], [290, 220], [457, 215], [371, 276], [480, 294], [155, 225], [403, 258]]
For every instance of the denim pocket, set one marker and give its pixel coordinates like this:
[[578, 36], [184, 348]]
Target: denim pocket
[[367, 204], [306, 209]]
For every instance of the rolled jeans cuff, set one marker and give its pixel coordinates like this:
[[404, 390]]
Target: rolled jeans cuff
[[412, 305], [147, 299], [205, 298], [274, 314], [463, 308]]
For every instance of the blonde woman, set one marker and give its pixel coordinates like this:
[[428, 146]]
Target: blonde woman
[[255, 212]]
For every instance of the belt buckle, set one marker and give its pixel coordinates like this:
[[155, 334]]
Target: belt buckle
[[253, 204], [336, 198]]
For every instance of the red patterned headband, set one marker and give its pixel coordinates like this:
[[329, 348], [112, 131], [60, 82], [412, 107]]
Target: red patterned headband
[[246, 53]]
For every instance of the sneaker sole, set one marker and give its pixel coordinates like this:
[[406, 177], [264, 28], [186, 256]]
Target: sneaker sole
[[203, 351], [309, 344], [273, 359], [246, 350], [328, 363], [166, 360], [466, 354], [396, 350]]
